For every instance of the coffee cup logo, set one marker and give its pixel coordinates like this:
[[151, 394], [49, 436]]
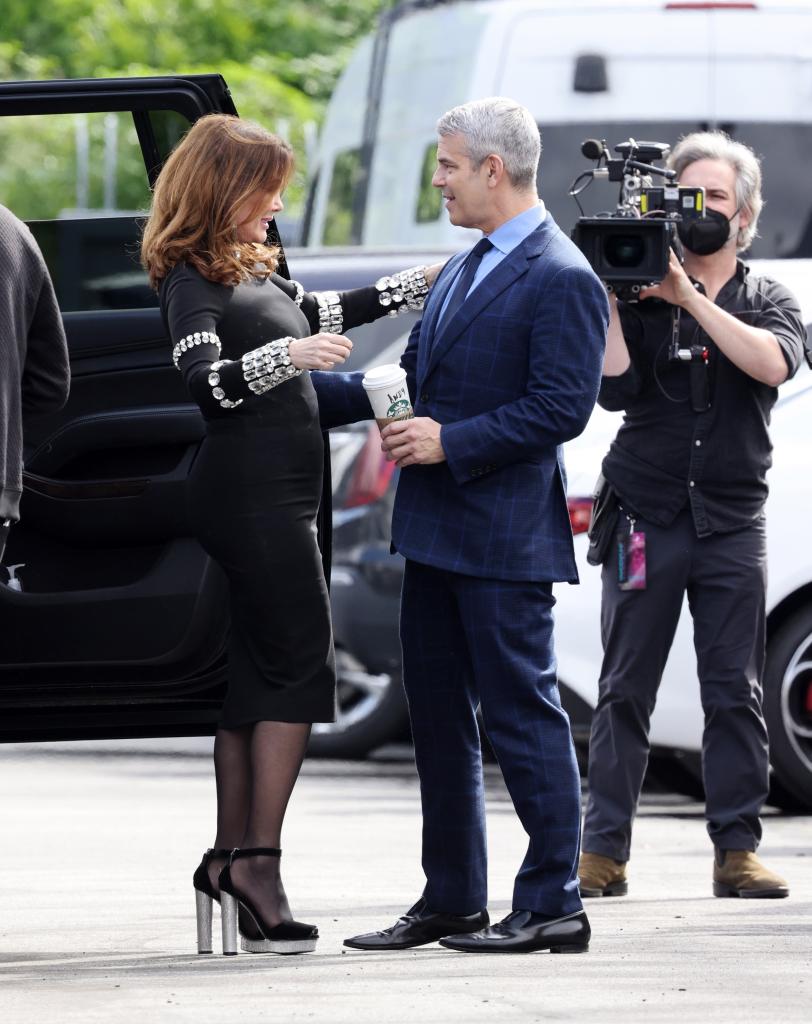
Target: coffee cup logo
[[399, 409]]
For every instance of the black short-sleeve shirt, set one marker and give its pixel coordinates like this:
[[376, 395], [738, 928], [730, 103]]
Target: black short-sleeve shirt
[[666, 455]]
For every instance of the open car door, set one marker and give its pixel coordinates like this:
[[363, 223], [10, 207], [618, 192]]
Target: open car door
[[121, 624]]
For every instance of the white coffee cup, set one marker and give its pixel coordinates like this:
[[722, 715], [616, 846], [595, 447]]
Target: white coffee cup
[[388, 394]]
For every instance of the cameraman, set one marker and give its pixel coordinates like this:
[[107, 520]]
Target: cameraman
[[688, 468]]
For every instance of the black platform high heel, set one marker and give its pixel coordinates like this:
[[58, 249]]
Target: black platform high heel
[[287, 937], [205, 894]]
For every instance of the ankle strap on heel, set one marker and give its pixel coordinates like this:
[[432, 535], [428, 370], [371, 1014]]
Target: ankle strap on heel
[[214, 853], [254, 851]]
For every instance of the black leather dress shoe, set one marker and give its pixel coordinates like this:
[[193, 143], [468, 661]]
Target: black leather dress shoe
[[525, 932], [418, 926]]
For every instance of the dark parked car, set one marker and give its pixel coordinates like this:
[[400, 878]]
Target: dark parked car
[[365, 590]]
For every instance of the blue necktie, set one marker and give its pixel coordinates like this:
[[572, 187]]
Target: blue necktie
[[466, 277]]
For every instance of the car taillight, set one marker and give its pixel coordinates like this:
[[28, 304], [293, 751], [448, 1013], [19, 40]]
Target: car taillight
[[580, 510], [370, 474]]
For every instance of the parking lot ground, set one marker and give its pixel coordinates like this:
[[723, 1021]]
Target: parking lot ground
[[97, 912]]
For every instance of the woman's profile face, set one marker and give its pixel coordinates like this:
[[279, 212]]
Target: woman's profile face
[[252, 216]]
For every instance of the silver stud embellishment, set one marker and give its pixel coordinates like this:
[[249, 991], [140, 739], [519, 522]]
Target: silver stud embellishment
[[188, 343]]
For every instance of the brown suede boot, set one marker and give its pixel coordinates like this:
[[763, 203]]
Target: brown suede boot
[[602, 876], [741, 873]]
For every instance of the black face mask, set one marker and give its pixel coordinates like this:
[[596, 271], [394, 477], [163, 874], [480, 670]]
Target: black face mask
[[706, 236]]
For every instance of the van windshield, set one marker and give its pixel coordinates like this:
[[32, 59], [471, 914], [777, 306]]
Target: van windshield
[[785, 227]]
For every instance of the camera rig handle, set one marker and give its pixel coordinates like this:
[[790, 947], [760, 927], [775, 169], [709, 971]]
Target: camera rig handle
[[637, 165], [647, 151], [698, 357]]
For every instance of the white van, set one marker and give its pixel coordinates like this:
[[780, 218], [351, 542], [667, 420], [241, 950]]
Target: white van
[[607, 69]]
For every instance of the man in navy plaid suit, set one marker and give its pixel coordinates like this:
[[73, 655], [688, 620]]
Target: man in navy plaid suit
[[503, 368]]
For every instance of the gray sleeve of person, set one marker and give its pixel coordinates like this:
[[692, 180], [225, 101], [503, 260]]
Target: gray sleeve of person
[[45, 379], [34, 369]]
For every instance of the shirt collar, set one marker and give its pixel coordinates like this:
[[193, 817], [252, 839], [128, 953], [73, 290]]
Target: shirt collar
[[739, 277], [514, 231]]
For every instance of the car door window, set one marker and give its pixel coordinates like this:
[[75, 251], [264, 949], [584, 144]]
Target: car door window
[[78, 180]]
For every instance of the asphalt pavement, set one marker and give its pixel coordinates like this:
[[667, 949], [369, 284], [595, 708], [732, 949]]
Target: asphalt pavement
[[97, 912]]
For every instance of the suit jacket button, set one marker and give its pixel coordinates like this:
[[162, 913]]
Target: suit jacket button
[[424, 397]]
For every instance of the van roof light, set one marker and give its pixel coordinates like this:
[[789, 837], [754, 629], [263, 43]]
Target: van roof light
[[711, 5], [590, 73]]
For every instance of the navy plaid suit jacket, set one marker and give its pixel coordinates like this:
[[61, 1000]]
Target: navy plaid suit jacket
[[513, 375]]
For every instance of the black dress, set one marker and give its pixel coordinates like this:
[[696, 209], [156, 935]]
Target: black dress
[[255, 486]]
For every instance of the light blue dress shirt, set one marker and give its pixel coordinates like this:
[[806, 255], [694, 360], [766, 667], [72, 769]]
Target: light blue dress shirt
[[504, 240]]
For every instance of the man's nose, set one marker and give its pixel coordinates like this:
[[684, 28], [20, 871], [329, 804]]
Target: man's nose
[[437, 178]]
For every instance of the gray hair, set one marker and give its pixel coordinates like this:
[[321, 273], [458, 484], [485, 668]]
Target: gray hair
[[502, 127], [745, 164]]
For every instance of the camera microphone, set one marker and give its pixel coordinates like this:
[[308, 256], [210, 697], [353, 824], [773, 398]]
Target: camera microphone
[[593, 149]]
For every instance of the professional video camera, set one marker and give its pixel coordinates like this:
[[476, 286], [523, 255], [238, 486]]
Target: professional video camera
[[628, 249]]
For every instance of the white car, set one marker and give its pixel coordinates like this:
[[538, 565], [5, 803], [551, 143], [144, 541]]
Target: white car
[[678, 720]]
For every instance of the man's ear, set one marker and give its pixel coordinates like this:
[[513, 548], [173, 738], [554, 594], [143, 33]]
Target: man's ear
[[495, 169]]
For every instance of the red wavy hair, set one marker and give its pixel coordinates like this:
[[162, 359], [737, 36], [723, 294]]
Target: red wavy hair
[[219, 164]]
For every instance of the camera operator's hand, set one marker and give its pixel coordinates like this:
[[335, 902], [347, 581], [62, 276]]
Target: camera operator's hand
[[675, 287]]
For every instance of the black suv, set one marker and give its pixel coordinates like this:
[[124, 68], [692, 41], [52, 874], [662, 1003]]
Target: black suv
[[121, 624]]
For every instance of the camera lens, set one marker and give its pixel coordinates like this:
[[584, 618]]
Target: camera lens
[[624, 250]]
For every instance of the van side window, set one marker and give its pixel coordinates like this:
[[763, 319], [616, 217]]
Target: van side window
[[78, 180], [338, 224], [429, 199]]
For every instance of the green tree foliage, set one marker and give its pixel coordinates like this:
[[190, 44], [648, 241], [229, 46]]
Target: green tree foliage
[[280, 58], [303, 43]]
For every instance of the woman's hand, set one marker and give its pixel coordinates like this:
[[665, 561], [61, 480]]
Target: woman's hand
[[432, 272], [319, 351]]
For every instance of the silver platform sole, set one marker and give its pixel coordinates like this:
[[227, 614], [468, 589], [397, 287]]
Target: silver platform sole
[[228, 909], [277, 946]]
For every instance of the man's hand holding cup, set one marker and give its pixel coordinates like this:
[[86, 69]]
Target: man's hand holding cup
[[405, 440], [413, 442]]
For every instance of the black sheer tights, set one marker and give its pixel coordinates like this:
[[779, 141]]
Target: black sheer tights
[[256, 768]]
